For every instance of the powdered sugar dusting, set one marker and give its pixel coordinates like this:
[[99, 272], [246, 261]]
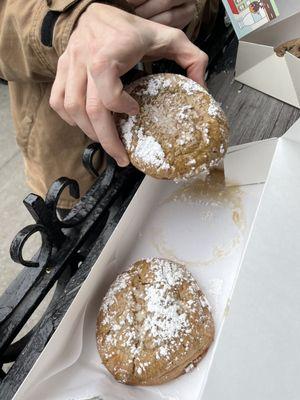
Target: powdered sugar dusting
[[150, 152], [205, 132], [164, 321], [214, 109], [126, 128], [189, 368], [202, 173], [166, 83], [119, 284], [180, 137], [203, 301], [154, 85], [191, 87], [183, 112], [157, 315], [186, 125]]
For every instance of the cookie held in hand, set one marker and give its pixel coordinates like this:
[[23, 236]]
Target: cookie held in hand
[[154, 323], [180, 131], [292, 46]]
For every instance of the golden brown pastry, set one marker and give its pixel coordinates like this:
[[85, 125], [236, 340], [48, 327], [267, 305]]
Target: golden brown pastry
[[180, 131], [154, 323], [292, 46]]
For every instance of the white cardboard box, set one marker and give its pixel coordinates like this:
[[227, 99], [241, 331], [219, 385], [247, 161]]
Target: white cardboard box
[[258, 354], [256, 351], [251, 15], [258, 65]]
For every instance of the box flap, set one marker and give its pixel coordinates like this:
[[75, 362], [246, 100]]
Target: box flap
[[279, 31], [293, 64], [258, 354], [293, 133], [259, 67], [251, 55], [255, 158]]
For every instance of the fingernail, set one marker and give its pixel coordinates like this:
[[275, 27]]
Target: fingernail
[[134, 110], [122, 162]]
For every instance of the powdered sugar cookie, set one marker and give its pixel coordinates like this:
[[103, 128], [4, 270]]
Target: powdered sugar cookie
[[154, 323], [180, 130], [292, 46]]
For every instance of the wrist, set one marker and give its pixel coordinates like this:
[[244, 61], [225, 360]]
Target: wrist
[[108, 12], [66, 24], [119, 4]]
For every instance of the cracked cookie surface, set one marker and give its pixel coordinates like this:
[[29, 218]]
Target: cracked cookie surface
[[292, 46], [180, 130], [154, 323]]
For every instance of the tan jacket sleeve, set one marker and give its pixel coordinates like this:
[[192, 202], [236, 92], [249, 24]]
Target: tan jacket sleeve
[[204, 18], [23, 54]]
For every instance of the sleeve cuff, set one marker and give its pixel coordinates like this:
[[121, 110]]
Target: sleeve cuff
[[204, 19], [66, 23], [71, 11], [64, 16], [61, 5]]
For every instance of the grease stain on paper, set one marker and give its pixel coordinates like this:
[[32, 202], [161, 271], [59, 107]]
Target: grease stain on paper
[[211, 195]]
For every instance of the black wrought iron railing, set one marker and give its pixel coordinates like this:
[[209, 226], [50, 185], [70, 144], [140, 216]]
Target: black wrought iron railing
[[69, 248]]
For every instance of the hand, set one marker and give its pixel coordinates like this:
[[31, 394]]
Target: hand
[[176, 13], [107, 43]]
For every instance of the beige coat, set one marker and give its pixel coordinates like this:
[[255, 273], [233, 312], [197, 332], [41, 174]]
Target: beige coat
[[51, 148]]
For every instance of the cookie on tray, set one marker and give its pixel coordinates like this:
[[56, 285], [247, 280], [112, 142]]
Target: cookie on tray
[[292, 46], [180, 131], [154, 323]]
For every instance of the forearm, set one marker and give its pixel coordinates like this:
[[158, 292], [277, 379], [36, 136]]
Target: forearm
[[34, 34]]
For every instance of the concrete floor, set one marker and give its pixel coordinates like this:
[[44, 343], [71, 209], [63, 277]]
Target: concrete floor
[[13, 190], [14, 215]]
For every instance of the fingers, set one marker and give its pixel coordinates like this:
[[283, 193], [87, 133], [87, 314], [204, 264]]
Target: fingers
[[177, 47], [197, 66], [58, 92], [75, 98], [111, 92], [178, 17], [104, 126], [153, 7]]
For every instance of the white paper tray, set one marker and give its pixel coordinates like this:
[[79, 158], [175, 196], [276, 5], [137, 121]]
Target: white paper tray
[[205, 227], [243, 250]]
